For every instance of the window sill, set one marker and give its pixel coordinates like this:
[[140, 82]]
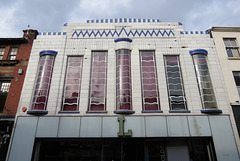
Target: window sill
[[68, 112], [96, 112], [212, 111], [184, 111], [152, 111], [9, 62], [124, 112], [37, 112], [233, 58]]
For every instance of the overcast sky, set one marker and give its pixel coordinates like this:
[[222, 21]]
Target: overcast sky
[[50, 15]]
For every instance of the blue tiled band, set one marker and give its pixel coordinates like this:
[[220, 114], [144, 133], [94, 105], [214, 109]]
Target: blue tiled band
[[48, 52], [123, 39], [198, 51]]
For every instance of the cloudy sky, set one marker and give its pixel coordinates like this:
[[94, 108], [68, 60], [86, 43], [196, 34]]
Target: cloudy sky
[[50, 15]]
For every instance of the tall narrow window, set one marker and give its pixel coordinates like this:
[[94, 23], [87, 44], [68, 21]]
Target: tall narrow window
[[231, 47], [12, 53], [176, 95], [124, 86], [237, 80], [44, 77], [203, 78], [1, 52], [71, 93], [150, 96], [98, 82]]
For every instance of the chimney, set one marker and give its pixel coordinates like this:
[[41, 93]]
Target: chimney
[[30, 34]]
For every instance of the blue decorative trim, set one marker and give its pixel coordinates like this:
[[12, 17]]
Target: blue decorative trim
[[65, 24], [44, 33], [158, 20], [116, 20], [206, 32], [149, 20], [201, 32], [181, 32], [125, 20], [48, 52], [39, 33], [196, 32], [123, 39], [198, 51], [68, 112], [132, 33], [130, 20], [111, 20], [186, 32], [191, 32], [37, 112], [124, 112], [153, 20], [179, 23], [134, 20], [106, 20], [54, 33], [97, 21], [101, 20], [87, 21], [64, 33], [183, 111], [92, 21], [139, 20], [212, 111], [152, 111], [96, 112], [59, 33], [49, 33], [120, 20]]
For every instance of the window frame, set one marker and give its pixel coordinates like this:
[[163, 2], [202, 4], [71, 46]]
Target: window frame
[[231, 48], [170, 96], [12, 55], [152, 54], [81, 58], [236, 82], [90, 109], [2, 50]]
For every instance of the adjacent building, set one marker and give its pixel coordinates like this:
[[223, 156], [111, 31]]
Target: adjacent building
[[14, 56], [124, 89], [227, 40]]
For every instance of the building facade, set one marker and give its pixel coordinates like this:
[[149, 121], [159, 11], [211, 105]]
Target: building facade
[[14, 55], [227, 40], [124, 89]]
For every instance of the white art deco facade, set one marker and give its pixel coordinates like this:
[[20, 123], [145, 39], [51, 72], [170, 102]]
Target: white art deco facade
[[124, 89]]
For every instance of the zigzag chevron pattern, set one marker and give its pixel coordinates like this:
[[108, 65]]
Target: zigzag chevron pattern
[[117, 33]]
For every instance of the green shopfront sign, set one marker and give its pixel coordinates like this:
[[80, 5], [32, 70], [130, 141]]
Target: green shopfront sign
[[121, 132]]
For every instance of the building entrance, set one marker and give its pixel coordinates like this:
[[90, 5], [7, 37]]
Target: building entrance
[[124, 150]]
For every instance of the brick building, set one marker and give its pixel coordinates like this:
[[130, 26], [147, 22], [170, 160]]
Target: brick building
[[124, 89], [14, 56]]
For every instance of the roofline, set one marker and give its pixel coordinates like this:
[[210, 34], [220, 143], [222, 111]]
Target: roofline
[[12, 41], [225, 29]]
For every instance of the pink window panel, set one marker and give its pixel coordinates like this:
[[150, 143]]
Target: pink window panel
[[43, 82], [150, 95], [72, 87], [97, 97], [124, 86]]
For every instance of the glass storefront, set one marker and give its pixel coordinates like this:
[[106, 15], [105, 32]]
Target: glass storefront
[[124, 149]]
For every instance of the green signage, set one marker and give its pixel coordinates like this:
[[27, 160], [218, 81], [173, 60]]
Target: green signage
[[121, 132]]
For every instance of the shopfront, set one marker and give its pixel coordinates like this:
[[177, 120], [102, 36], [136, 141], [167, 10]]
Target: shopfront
[[124, 149]]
